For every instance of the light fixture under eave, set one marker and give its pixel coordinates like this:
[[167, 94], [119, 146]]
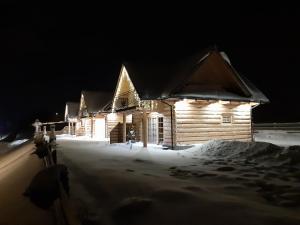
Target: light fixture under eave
[[112, 116], [244, 107], [181, 105], [224, 102], [216, 106]]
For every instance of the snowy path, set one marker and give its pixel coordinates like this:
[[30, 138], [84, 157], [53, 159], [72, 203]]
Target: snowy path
[[17, 168], [111, 184]]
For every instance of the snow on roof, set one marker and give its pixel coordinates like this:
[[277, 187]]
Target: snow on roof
[[73, 108], [97, 101], [205, 75]]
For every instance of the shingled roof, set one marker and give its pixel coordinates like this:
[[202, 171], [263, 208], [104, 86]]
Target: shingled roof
[[97, 101], [207, 75]]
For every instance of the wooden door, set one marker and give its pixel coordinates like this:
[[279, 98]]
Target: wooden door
[[153, 130], [100, 129]]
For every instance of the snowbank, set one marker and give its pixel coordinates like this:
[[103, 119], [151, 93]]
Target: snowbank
[[17, 142], [215, 183], [252, 151], [8, 146]]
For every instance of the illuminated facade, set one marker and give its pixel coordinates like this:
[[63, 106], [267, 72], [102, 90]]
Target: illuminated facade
[[71, 116], [93, 110], [189, 102]]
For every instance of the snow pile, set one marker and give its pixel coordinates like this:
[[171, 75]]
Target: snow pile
[[17, 142], [8, 146], [291, 155], [251, 151]]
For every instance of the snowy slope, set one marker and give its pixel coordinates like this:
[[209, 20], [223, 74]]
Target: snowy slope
[[278, 137], [216, 183]]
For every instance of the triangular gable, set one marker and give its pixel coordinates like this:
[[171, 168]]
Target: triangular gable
[[71, 110], [125, 95], [82, 107], [212, 76], [66, 112], [82, 102]]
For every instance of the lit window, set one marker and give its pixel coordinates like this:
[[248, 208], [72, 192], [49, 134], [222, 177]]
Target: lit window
[[160, 130]]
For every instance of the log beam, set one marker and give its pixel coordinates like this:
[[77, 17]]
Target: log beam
[[145, 130]]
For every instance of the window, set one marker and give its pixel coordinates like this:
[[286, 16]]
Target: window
[[226, 118], [160, 129], [123, 102]]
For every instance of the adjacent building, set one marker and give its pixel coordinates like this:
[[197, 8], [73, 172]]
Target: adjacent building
[[93, 108], [71, 116]]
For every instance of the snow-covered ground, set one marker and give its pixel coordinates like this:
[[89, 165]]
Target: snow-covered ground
[[8, 146], [278, 137], [216, 183]]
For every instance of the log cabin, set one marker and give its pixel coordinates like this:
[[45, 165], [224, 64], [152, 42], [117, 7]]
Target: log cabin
[[187, 102], [71, 116], [93, 108]]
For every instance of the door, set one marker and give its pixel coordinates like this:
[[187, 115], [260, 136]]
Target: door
[[156, 130], [160, 130], [152, 130], [100, 129]]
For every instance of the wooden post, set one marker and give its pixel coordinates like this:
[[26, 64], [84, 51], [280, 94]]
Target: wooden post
[[251, 125], [72, 128], [92, 127], [124, 127], [45, 130], [145, 129]]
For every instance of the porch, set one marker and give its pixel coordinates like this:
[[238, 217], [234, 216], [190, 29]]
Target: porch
[[143, 126]]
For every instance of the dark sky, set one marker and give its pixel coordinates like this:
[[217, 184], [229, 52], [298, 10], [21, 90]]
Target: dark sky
[[48, 54]]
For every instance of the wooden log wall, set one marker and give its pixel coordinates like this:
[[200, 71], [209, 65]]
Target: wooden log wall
[[198, 122], [137, 122], [165, 110], [113, 121]]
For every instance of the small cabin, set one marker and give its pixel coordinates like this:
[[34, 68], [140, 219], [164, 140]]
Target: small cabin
[[71, 116], [185, 102], [93, 108]]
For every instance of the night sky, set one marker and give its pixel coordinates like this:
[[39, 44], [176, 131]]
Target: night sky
[[48, 54]]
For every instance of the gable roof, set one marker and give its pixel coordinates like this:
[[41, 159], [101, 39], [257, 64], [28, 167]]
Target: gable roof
[[73, 109], [206, 75], [97, 101]]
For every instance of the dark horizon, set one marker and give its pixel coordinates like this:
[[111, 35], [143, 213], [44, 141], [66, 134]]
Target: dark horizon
[[49, 55]]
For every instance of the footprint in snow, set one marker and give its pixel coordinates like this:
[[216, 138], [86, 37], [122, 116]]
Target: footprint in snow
[[226, 168]]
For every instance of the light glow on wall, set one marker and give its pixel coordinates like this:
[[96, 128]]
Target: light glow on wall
[[216, 106], [181, 105], [99, 129], [244, 107], [224, 102], [112, 116], [66, 112], [73, 120], [129, 118], [254, 103], [155, 114]]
